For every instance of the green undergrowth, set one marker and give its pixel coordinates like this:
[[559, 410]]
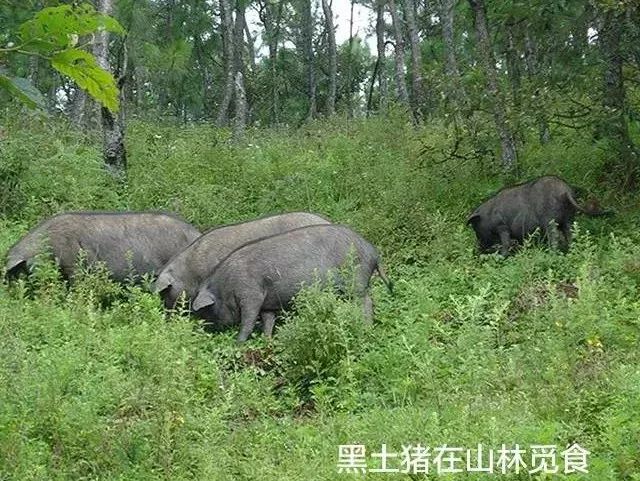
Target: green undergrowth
[[97, 382]]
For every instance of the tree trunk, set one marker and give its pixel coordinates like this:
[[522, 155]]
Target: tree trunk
[[531, 63], [513, 66], [139, 75], [205, 76], [226, 17], [581, 29], [271, 22], [33, 69], [417, 94], [455, 93], [349, 82], [485, 50], [401, 84], [78, 108], [307, 32], [615, 124], [240, 117], [381, 61], [83, 111], [114, 151], [333, 57], [251, 51]]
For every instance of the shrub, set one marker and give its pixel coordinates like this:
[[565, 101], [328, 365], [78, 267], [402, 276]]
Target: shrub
[[318, 348]]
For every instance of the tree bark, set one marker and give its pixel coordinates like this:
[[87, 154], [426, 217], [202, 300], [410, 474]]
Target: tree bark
[[113, 125], [513, 65], [485, 50], [226, 17], [140, 94], [82, 110], [251, 51], [348, 90], [381, 61], [240, 117], [78, 108], [333, 57], [531, 63], [581, 29], [417, 93], [615, 124], [307, 33], [401, 84], [271, 19], [455, 92]]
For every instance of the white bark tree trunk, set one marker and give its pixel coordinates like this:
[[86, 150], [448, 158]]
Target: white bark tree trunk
[[401, 83], [113, 125], [485, 51], [417, 93], [333, 56]]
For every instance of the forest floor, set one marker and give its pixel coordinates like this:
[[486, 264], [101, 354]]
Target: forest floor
[[537, 349]]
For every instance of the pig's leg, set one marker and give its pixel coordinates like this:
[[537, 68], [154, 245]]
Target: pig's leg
[[505, 240], [553, 235], [566, 232], [268, 320], [249, 312], [367, 306]]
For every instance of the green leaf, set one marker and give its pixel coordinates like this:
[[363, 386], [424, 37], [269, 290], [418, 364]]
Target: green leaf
[[83, 68], [23, 90], [57, 28]]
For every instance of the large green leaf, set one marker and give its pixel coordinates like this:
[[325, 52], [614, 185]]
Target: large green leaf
[[83, 68], [22, 89], [59, 27]]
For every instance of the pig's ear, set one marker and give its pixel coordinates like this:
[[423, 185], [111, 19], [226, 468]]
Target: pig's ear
[[473, 218], [163, 282], [202, 300]]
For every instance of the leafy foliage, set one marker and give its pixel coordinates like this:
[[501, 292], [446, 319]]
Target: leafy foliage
[[58, 28], [22, 89], [318, 349], [541, 348], [53, 33], [84, 69]]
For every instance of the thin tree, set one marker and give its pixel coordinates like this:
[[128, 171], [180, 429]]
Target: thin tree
[[307, 38], [512, 56], [240, 117], [226, 17], [78, 108], [381, 60], [417, 94], [333, 56], [251, 51], [113, 125], [615, 124], [401, 83], [271, 18], [532, 69], [454, 89], [350, 64], [485, 51]]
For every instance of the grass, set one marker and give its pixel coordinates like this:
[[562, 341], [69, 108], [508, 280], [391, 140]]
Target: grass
[[540, 348]]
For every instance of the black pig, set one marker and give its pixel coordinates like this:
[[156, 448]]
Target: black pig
[[546, 204], [262, 277], [128, 243]]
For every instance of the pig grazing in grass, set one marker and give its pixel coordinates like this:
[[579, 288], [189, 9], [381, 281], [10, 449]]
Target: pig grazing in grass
[[546, 204], [262, 277], [184, 273], [130, 244]]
